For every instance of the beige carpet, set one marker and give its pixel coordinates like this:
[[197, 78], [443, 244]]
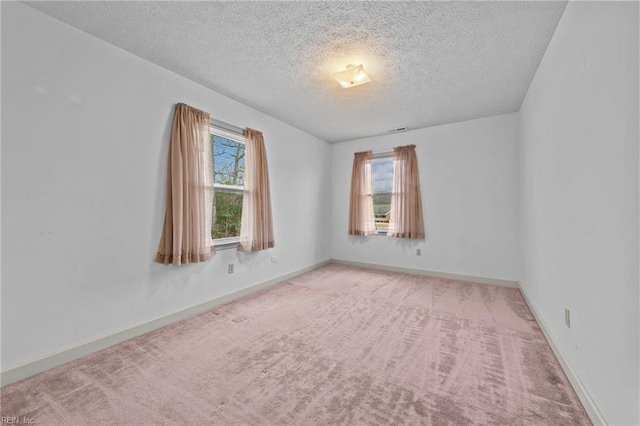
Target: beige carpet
[[338, 345]]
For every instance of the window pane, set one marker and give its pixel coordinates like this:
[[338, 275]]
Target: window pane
[[228, 166], [227, 214], [382, 180], [228, 161]]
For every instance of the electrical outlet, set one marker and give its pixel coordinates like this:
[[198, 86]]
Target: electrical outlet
[[230, 270], [418, 252], [567, 317], [274, 259]]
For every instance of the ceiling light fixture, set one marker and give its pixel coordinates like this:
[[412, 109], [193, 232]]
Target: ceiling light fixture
[[352, 76]]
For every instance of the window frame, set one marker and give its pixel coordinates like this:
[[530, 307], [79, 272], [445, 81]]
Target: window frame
[[226, 242], [377, 158]]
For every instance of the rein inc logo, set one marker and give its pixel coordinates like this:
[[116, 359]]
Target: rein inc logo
[[16, 421]]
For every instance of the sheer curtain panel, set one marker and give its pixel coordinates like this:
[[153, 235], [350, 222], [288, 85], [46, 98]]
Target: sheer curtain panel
[[186, 234], [361, 217], [256, 228], [406, 202]]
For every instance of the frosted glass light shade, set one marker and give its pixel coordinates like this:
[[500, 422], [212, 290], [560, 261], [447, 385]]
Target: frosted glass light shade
[[352, 76]]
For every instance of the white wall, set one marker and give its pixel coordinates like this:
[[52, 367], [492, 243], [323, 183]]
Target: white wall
[[468, 179], [579, 198], [85, 132]]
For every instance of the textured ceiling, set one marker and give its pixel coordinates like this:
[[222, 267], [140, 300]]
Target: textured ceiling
[[431, 62]]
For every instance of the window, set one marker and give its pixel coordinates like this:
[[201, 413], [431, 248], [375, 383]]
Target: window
[[382, 181], [228, 168]]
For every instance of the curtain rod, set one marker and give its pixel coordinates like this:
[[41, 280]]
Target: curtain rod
[[226, 126]]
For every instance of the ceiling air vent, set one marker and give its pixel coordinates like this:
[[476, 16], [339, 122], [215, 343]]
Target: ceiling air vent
[[398, 130]]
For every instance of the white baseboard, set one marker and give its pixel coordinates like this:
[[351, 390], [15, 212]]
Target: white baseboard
[[589, 405], [480, 280], [47, 362]]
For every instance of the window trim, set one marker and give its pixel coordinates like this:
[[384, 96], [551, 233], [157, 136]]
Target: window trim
[[216, 130], [228, 188], [223, 133]]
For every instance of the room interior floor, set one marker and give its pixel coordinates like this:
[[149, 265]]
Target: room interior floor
[[337, 345]]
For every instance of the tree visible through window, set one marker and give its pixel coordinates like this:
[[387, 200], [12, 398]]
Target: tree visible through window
[[382, 181], [228, 165]]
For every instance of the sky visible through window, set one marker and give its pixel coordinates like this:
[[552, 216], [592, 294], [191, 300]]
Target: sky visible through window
[[381, 175], [228, 161]]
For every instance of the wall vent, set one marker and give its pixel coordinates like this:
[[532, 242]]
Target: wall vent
[[398, 130]]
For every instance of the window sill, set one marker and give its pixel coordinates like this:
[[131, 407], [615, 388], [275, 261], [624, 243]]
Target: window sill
[[226, 243]]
